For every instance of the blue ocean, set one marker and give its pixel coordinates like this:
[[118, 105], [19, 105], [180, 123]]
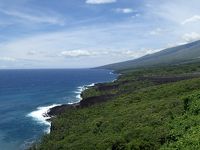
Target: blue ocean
[[25, 95]]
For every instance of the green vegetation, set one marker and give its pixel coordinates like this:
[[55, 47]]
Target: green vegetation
[[155, 108], [185, 129]]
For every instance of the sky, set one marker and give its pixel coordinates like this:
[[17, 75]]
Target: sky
[[90, 33]]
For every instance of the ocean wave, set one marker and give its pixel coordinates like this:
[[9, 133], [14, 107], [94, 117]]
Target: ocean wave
[[80, 89], [40, 115], [114, 80]]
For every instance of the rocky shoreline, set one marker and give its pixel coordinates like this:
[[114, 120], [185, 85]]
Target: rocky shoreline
[[84, 102]]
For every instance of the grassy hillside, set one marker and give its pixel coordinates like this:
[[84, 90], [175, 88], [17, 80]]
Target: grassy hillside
[[156, 108], [176, 55]]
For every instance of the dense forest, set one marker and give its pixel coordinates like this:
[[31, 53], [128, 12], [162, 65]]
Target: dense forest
[[144, 109]]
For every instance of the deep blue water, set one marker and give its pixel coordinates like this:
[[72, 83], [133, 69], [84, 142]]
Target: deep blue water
[[25, 93]]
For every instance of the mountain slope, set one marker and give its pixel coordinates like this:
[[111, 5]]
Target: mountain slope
[[176, 55]]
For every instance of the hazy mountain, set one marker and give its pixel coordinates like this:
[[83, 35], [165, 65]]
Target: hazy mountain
[[180, 54]]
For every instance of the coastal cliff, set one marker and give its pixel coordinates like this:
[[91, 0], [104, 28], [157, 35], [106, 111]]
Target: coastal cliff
[[142, 109]]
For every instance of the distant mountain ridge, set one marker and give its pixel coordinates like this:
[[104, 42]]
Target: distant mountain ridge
[[181, 54]]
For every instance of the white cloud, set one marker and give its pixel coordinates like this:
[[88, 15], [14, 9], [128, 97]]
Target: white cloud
[[10, 59], [190, 37], [124, 10], [194, 18], [132, 54], [129, 53], [31, 52], [100, 1], [157, 31], [76, 53], [3, 66], [138, 53], [32, 17], [136, 15]]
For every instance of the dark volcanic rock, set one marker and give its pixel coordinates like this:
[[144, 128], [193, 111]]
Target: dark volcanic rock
[[94, 100], [83, 103], [162, 80], [59, 109], [102, 87], [103, 98]]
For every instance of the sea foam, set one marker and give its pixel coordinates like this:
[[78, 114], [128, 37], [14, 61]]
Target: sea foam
[[80, 89], [40, 115]]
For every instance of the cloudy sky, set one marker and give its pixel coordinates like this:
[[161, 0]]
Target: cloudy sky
[[88, 33]]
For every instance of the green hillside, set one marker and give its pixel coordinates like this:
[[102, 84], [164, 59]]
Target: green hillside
[[176, 55], [147, 109]]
